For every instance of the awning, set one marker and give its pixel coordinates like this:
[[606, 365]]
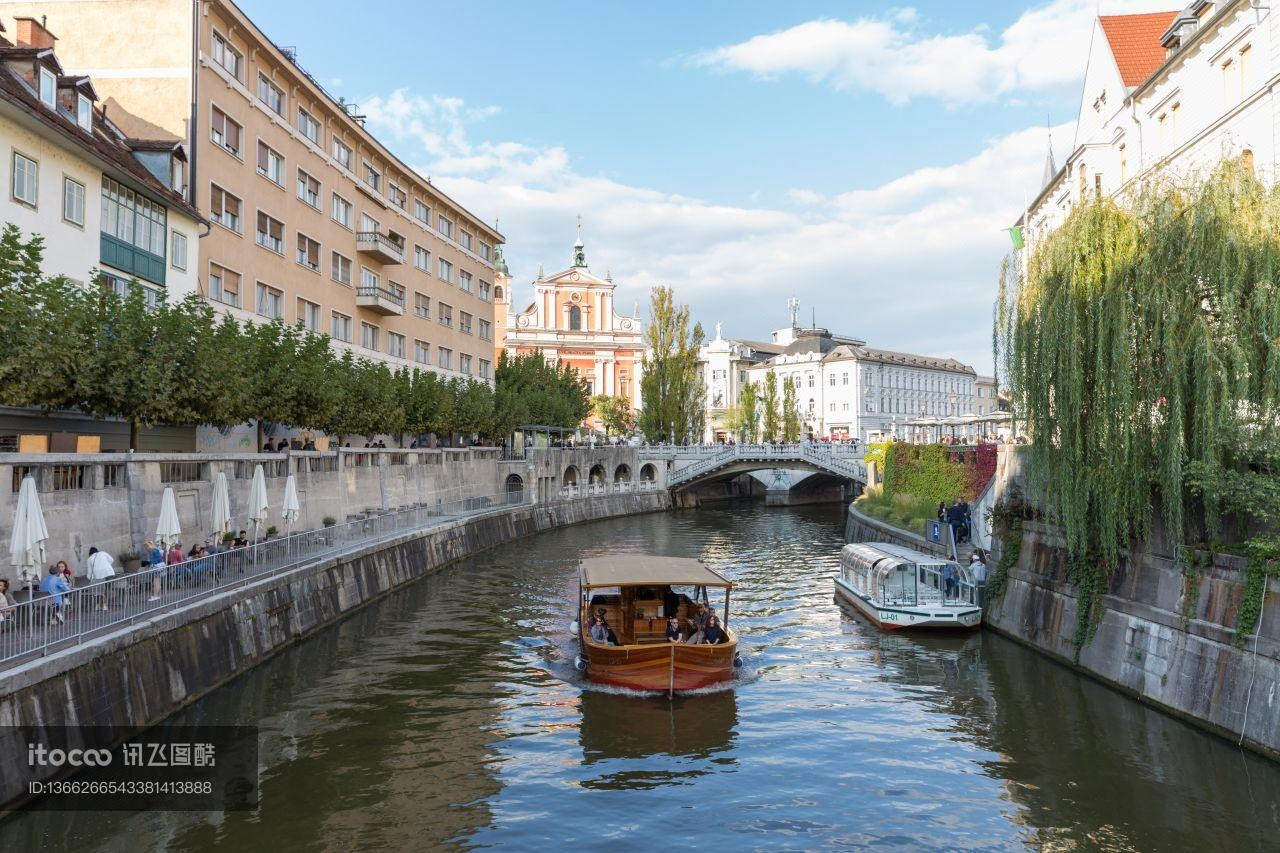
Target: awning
[[648, 570]]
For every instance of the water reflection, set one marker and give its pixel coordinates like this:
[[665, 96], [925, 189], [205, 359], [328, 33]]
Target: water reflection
[[624, 725]]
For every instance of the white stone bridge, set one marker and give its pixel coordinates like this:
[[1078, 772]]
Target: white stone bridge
[[778, 467]]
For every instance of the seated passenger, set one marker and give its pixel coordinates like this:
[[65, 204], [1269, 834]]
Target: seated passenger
[[698, 624], [674, 634], [714, 634], [608, 632], [597, 630]]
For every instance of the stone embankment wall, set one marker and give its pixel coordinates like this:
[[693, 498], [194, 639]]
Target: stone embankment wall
[[1165, 638], [137, 676], [112, 500]]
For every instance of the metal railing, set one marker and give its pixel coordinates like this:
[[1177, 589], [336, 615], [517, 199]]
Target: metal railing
[[46, 623], [380, 292]]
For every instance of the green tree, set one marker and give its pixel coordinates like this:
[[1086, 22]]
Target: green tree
[[613, 413], [671, 387], [771, 421], [742, 419], [473, 407], [790, 411]]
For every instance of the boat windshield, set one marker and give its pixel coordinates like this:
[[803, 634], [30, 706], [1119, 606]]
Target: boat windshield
[[939, 586]]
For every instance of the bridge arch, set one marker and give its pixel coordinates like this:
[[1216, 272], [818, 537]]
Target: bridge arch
[[622, 474]]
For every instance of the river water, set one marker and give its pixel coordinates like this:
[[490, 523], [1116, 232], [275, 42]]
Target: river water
[[449, 715]]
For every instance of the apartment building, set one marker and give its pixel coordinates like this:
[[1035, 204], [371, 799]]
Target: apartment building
[[313, 220], [1171, 92]]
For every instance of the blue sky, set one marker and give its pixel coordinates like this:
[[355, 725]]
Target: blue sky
[[861, 156]]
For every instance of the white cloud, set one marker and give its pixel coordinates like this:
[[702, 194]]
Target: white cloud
[[897, 58], [908, 265]]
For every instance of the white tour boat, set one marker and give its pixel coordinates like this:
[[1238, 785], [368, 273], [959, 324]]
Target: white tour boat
[[897, 587]]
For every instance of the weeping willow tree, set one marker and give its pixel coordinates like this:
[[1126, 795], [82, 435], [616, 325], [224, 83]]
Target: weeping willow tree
[[1142, 345]]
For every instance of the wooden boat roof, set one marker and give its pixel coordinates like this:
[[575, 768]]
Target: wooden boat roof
[[649, 570]]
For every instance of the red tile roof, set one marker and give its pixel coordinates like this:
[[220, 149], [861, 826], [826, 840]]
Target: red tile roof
[[1135, 43]]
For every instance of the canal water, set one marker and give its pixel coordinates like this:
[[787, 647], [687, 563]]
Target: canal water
[[449, 716]]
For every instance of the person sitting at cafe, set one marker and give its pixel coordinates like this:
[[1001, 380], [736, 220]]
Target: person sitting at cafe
[[674, 634], [241, 540], [7, 601], [713, 634], [56, 586]]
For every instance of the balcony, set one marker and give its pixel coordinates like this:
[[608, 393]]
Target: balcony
[[380, 247], [380, 300]]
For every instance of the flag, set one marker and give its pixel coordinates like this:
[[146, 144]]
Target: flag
[[1015, 234]]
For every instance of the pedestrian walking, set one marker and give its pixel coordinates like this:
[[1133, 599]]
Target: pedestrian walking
[[99, 567]]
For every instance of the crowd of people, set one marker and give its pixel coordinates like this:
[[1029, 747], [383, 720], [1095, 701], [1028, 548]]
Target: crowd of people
[[704, 629]]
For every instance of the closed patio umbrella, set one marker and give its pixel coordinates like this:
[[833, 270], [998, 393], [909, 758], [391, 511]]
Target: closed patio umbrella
[[221, 519], [168, 530], [258, 500], [291, 507], [26, 544]]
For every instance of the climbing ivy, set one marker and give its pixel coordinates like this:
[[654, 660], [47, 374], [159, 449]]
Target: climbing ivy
[[1141, 341]]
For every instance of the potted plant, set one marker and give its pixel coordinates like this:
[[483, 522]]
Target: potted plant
[[272, 532], [228, 538], [130, 561], [330, 521]]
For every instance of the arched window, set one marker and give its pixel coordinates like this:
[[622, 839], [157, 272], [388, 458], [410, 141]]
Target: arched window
[[575, 319], [497, 292]]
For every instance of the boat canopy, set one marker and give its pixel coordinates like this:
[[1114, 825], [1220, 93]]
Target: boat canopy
[[648, 570]]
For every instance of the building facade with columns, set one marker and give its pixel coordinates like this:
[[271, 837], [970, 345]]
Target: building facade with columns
[[572, 320]]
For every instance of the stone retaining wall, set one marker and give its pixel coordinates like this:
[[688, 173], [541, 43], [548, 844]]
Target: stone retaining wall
[[136, 677]]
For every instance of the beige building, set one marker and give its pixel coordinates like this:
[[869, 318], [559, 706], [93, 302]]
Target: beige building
[[313, 220]]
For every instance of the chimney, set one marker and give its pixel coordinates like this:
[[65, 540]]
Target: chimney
[[32, 33]]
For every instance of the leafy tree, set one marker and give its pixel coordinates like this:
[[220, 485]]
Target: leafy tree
[[613, 413], [790, 411], [671, 387], [473, 407], [742, 418], [771, 421]]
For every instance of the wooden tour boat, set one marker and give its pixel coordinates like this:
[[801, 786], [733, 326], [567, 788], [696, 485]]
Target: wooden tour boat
[[637, 593], [897, 587]]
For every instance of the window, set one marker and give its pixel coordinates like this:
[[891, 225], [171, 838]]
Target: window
[[464, 239], [575, 318], [225, 131], [486, 330], [444, 358], [26, 177], [464, 322], [368, 336], [224, 208], [1097, 185], [395, 345], [397, 196], [486, 369], [1124, 164], [422, 305], [844, 379], [84, 112], [464, 281], [446, 270], [132, 219], [270, 302], [421, 213], [270, 95], [422, 259], [73, 201], [486, 251], [308, 252], [833, 380], [341, 269], [1246, 68], [341, 211], [178, 251], [224, 285], [372, 177], [227, 56], [270, 233], [308, 315], [308, 189], [444, 226], [308, 126], [48, 88], [368, 279], [123, 288], [270, 163], [486, 291], [464, 364], [367, 223], [340, 327], [445, 314], [421, 352], [342, 153]]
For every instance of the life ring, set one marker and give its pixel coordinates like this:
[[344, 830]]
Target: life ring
[[579, 664]]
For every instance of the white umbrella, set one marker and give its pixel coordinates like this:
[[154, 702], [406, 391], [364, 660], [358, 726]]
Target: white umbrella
[[221, 504], [168, 530], [258, 500], [26, 545], [291, 507]]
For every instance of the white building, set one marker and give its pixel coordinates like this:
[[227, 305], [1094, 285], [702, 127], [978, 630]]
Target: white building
[[723, 364], [101, 199], [1174, 91], [844, 389]]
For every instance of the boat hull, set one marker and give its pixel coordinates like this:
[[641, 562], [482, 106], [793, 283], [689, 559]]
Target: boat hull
[[910, 618], [660, 666]]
